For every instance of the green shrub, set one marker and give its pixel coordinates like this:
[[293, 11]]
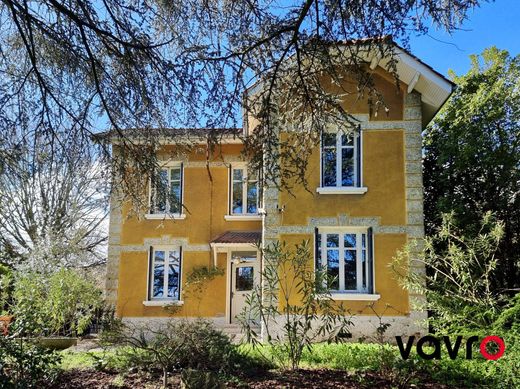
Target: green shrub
[[196, 379], [508, 325], [509, 317], [26, 365], [458, 282], [62, 303], [6, 288], [179, 344]]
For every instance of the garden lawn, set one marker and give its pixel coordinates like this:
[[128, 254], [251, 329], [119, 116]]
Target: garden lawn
[[348, 365]]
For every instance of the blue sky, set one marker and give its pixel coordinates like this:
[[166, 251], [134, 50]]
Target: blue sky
[[495, 23]]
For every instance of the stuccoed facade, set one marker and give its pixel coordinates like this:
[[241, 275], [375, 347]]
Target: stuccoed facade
[[357, 218]]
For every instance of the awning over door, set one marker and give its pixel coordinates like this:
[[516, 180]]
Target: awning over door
[[229, 237], [235, 239]]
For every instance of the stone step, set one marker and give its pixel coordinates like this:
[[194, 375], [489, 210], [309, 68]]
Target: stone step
[[234, 331]]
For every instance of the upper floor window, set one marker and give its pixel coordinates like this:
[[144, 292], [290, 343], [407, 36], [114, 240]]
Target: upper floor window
[[244, 192], [165, 274], [346, 255], [341, 159], [166, 191]]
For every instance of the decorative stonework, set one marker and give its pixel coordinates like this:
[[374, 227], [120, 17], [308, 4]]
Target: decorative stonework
[[273, 228], [225, 161], [342, 220], [114, 249], [414, 190], [414, 226], [165, 240]]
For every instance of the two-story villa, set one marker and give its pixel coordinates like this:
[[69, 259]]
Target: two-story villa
[[366, 203]]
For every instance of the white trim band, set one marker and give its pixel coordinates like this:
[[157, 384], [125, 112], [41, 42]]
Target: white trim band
[[342, 190], [355, 296], [162, 303], [245, 217], [164, 216]]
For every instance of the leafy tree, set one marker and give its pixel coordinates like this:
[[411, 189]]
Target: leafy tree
[[472, 157], [157, 64]]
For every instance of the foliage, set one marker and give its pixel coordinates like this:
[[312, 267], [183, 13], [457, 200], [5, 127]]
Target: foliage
[[26, 365], [361, 358], [472, 157], [293, 304], [509, 317], [62, 303], [196, 379], [6, 288], [187, 64], [179, 344], [457, 284], [387, 356]]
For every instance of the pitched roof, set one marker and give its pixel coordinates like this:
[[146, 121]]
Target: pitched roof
[[389, 39], [434, 87], [239, 237]]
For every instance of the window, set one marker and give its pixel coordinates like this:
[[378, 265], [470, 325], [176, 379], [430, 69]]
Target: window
[[341, 159], [347, 257], [165, 274], [244, 278], [166, 191], [244, 192]]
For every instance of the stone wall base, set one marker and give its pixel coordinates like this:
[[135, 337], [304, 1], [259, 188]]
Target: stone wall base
[[364, 328]]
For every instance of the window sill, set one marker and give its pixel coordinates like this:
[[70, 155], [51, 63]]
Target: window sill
[[231, 218], [341, 190], [164, 216], [162, 303], [355, 296]]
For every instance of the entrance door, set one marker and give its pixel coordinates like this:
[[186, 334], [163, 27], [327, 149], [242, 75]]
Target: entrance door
[[244, 278]]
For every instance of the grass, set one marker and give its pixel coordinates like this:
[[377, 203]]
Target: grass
[[355, 358], [108, 359], [365, 357], [78, 360]]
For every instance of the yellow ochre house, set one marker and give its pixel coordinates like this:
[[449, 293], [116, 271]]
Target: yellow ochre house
[[366, 204]]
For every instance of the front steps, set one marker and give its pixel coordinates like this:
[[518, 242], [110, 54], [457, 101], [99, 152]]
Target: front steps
[[234, 331]]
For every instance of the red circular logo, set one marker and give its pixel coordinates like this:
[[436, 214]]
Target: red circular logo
[[497, 340]]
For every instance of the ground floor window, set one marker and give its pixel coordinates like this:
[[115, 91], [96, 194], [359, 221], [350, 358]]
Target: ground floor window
[[346, 255], [165, 273]]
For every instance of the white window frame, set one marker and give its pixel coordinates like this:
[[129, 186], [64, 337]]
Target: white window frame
[[155, 213], [161, 301], [245, 181], [341, 293], [339, 188]]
